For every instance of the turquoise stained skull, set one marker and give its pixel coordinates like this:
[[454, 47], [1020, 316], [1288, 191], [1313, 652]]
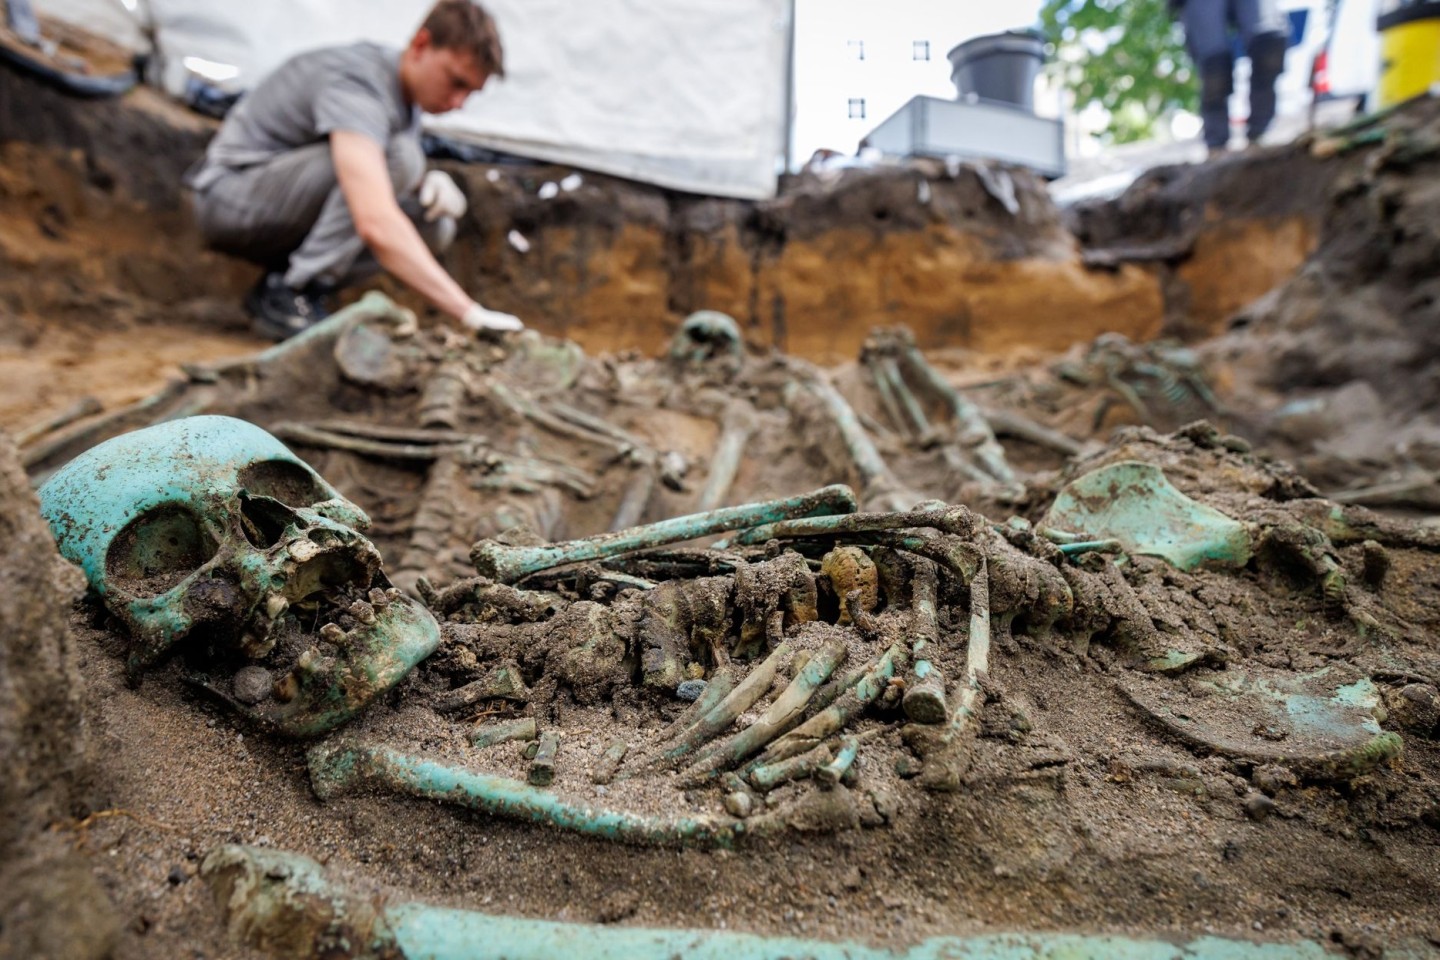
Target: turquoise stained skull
[[210, 526]]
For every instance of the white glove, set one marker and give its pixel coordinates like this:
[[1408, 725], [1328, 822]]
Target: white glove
[[477, 318], [441, 197]]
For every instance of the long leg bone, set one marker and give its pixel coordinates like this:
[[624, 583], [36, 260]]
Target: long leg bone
[[879, 487], [737, 425], [381, 449], [337, 769], [282, 901], [636, 498], [973, 429], [510, 563], [954, 520]]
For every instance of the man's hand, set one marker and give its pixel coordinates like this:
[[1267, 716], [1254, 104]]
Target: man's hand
[[478, 318], [440, 197]]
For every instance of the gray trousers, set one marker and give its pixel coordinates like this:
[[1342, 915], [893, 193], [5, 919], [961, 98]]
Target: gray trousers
[[1264, 32], [288, 214]]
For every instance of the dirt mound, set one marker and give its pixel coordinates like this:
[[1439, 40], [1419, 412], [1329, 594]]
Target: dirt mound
[[1339, 369], [51, 904]]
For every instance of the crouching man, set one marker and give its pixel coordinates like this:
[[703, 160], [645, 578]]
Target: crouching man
[[318, 174]]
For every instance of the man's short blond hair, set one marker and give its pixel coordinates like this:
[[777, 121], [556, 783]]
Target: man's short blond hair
[[466, 26]]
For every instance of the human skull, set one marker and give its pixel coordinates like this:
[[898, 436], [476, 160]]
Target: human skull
[[208, 530]]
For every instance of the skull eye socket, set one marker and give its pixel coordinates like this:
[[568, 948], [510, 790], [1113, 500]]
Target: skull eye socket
[[290, 483], [157, 550], [263, 521]]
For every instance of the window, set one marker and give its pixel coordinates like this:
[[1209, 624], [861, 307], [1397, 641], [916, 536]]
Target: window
[[857, 108], [920, 50], [856, 48]]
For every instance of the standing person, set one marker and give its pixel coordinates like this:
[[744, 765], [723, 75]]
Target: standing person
[[1264, 34], [318, 174]]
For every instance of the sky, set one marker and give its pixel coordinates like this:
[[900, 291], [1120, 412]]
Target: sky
[[829, 73]]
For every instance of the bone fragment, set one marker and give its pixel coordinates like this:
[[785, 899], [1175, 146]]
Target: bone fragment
[[879, 487], [79, 410], [866, 690], [767, 776], [831, 773], [542, 766], [502, 683], [609, 763], [952, 519], [1012, 424], [496, 733], [716, 690], [972, 429], [637, 497], [380, 449]]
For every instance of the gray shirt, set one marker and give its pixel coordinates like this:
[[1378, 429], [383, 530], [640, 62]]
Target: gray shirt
[[355, 87]]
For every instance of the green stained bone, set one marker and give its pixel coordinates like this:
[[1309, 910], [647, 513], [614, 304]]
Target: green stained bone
[[273, 897], [842, 711], [1134, 503], [495, 733], [1090, 546], [508, 564], [971, 427], [709, 724], [782, 715], [844, 759], [768, 776], [336, 769], [956, 519]]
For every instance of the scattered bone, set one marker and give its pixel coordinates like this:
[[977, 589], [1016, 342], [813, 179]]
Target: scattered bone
[[609, 763], [502, 683], [542, 765], [497, 733]]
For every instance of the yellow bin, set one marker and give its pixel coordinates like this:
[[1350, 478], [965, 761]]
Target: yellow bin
[[1409, 50]]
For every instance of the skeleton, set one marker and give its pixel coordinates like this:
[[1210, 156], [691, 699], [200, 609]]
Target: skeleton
[[810, 641]]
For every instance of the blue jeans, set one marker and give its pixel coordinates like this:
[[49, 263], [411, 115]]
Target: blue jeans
[[1264, 32]]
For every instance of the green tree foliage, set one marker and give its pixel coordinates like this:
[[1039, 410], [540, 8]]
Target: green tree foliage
[[1128, 56]]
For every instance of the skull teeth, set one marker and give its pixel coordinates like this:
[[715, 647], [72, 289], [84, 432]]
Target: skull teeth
[[379, 599], [332, 633], [276, 606], [286, 688], [302, 550], [256, 645], [363, 612]]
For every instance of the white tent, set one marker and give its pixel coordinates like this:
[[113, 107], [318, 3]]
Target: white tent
[[687, 94]]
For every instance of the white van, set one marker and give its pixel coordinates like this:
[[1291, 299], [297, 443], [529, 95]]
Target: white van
[[1347, 67]]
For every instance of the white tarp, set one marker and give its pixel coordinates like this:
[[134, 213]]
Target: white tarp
[[687, 94]]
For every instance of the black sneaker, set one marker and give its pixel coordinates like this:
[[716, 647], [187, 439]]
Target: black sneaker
[[279, 311]]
